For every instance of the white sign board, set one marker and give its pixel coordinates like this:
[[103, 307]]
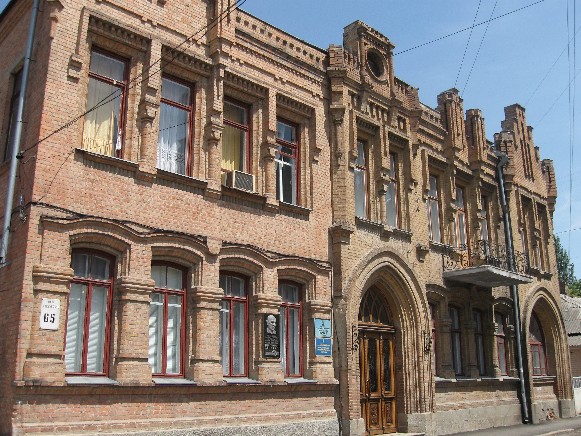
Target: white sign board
[[49, 314]]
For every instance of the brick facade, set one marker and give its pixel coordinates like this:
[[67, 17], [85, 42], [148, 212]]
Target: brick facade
[[121, 205]]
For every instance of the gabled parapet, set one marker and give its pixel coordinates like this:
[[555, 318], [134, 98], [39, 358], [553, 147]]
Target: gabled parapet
[[549, 175]]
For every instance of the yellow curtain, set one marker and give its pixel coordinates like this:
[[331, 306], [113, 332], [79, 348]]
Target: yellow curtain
[[99, 131], [231, 148]]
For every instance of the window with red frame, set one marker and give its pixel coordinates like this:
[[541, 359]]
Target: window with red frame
[[175, 126], [234, 325], [286, 159], [537, 346], [236, 137], [391, 194], [291, 328], [361, 180], [433, 206], [166, 320], [479, 340], [500, 334], [88, 314], [456, 340], [103, 129], [460, 221], [16, 82], [434, 337]]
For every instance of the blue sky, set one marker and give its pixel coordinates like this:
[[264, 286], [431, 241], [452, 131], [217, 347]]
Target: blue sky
[[516, 54]]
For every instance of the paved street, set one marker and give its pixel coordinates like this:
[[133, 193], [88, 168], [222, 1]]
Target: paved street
[[571, 426]]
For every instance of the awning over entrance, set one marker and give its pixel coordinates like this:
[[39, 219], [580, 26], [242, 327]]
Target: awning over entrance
[[487, 276]]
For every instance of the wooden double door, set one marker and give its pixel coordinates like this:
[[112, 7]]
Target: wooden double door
[[376, 366]]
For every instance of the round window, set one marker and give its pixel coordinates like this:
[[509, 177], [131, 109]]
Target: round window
[[375, 63]]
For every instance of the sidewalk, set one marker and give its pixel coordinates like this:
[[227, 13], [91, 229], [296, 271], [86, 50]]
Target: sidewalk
[[570, 426]]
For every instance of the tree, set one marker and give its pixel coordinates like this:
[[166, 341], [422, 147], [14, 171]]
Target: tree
[[566, 270]]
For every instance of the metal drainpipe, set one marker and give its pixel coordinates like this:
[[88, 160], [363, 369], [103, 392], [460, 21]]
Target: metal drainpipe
[[15, 146], [503, 160]]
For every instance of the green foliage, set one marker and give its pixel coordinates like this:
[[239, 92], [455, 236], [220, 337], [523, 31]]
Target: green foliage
[[575, 288], [564, 264]]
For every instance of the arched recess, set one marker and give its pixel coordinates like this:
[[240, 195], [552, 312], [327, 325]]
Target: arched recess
[[395, 281], [542, 303]]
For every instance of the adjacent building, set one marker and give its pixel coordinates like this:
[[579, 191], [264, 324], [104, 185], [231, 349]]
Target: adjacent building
[[243, 230]]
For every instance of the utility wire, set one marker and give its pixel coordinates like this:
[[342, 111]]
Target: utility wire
[[467, 42], [479, 47], [133, 81], [557, 99], [468, 28], [550, 69]]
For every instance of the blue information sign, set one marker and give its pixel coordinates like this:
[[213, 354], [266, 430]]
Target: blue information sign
[[322, 347], [322, 337]]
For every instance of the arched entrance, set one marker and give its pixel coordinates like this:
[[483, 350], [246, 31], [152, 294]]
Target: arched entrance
[[376, 365]]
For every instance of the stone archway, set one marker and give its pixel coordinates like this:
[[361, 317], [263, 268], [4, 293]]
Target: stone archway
[[549, 380], [402, 293]]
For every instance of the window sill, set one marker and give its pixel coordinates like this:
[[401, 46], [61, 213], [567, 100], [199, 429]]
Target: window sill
[[438, 247], [298, 380], [242, 197], [294, 210], [107, 160], [240, 381], [181, 179], [474, 381], [89, 380], [172, 381]]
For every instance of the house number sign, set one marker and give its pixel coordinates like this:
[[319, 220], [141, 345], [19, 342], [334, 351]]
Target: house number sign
[[49, 314]]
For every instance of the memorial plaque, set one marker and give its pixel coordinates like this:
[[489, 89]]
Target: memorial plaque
[[271, 337]]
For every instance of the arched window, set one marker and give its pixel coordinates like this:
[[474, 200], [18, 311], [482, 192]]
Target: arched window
[[291, 328], [234, 324], [537, 346], [455, 340], [166, 320], [477, 317], [500, 334], [372, 308], [88, 314]]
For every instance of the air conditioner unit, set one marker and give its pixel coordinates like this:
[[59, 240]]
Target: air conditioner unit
[[239, 180]]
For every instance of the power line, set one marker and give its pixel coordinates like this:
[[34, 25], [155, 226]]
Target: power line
[[556, 100], [550, 69], [468, 28], [479, 47], [116, 94], [467, 42], [568, 231]]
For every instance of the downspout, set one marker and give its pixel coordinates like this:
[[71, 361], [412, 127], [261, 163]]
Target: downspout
[[503, 160], [15, 146]]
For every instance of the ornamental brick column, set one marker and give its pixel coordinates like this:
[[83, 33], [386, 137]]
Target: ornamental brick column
[[133, 300], [490, 330], [444, 351], [265, 370], [319, 368], [44, 360], [204, 366], [470, 364]]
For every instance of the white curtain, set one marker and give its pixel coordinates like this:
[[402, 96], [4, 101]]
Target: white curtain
[[155, 332], [225, 336], [174, 322], [173, 139], [75, 327], [96, 339]]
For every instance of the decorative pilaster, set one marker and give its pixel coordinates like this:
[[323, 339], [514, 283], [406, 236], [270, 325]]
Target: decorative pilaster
[[204, 366], [44, 363], [266, 370], [131, 361], [213, 136], [470, 365], [444, 351], [319, 368]]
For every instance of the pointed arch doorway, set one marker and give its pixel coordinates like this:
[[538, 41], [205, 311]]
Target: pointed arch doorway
[[376, 365]]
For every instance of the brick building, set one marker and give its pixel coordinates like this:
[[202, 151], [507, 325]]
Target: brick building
[[178, 253]]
